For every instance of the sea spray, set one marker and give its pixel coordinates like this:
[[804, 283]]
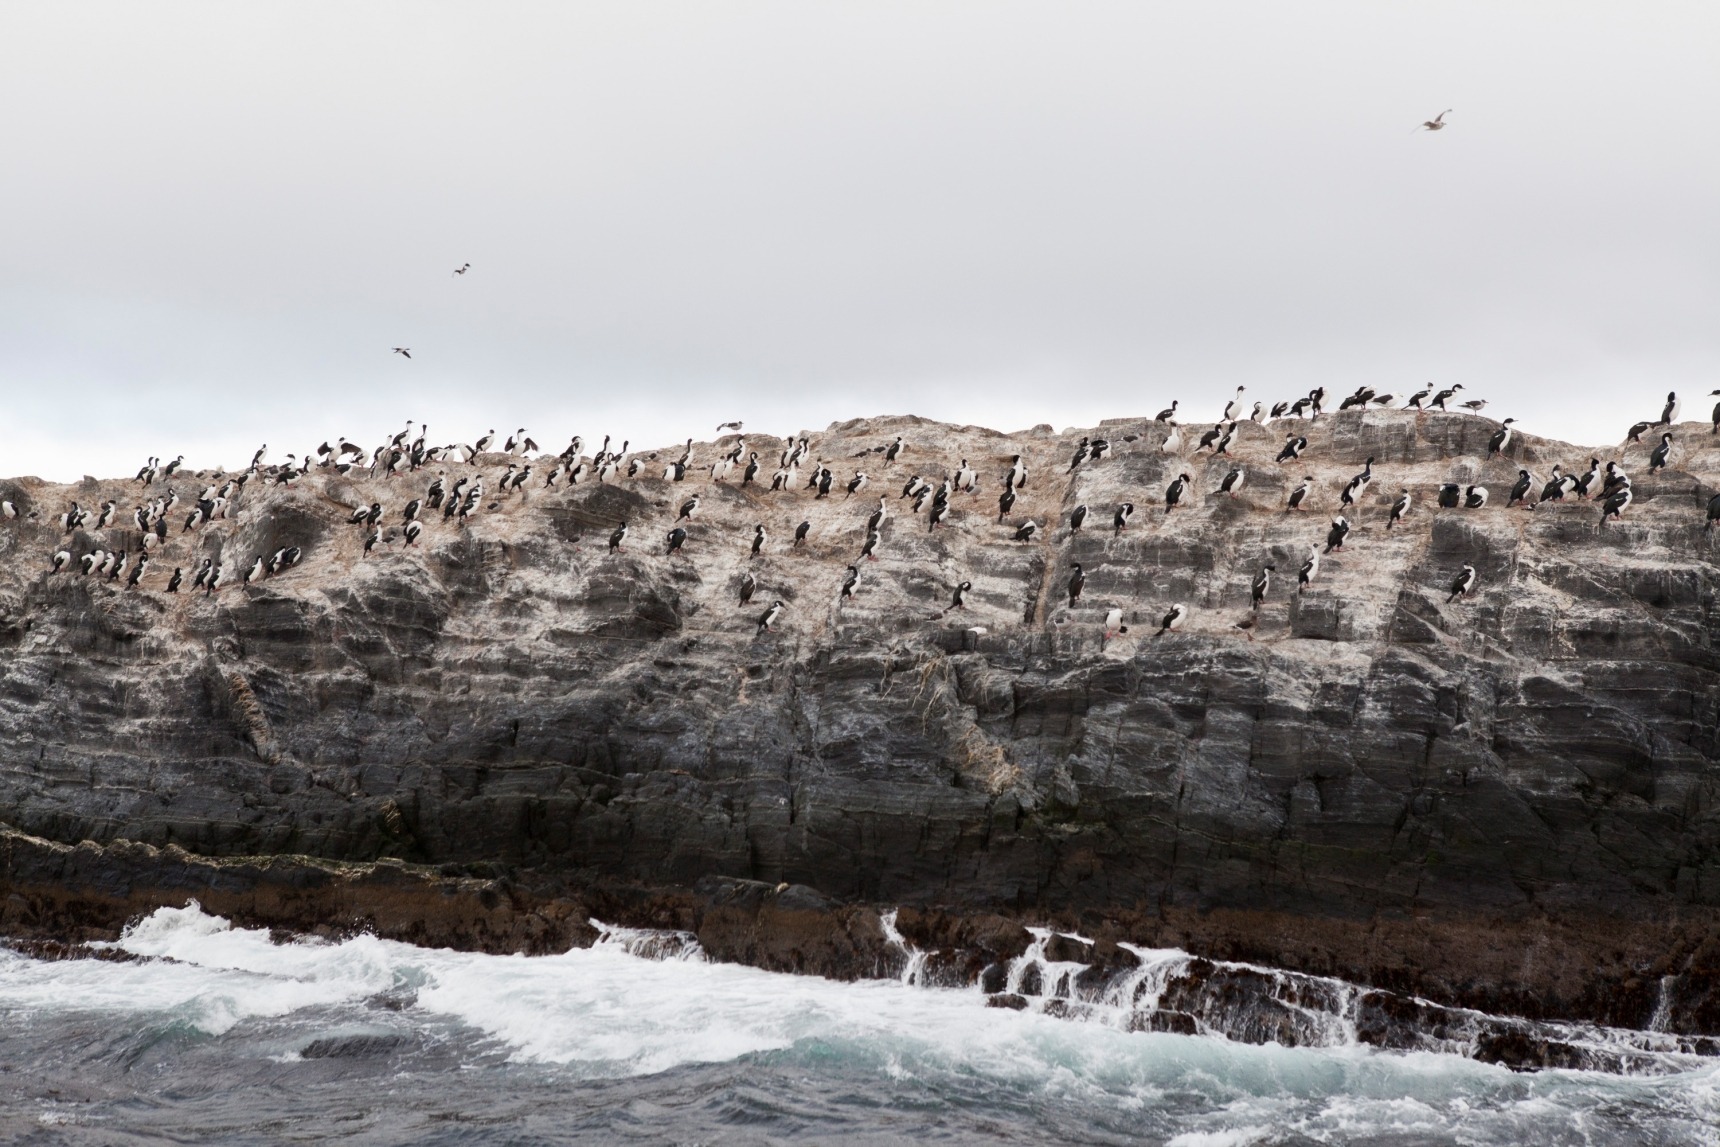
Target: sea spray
[[606, 1043]]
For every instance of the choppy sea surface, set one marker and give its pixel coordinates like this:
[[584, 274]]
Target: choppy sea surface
[[220, 1036]]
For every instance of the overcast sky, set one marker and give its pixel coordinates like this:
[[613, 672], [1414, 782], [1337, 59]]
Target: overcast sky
[[218, 219]]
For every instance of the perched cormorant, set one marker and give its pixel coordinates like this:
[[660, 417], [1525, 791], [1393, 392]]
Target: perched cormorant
[[1336, 535], [1461, 586], [1174, 492], [1501, 438], [1261, 586], [1399, 508], [1310, 568], [1662, 453]]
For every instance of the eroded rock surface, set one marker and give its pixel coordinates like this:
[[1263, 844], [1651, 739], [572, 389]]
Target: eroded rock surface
[[1507, 802]]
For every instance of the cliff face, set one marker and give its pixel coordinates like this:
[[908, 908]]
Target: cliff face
[[1508, 801]]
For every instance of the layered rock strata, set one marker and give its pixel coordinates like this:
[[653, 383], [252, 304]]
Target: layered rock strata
[[1505, 802]]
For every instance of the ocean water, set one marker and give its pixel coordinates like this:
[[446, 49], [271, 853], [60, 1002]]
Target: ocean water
[[220, 1036]]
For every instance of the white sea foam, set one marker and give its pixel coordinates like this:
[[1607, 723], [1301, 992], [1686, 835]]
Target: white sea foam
[[603, 1012]]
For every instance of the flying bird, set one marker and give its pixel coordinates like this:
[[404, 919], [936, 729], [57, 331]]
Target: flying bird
[[462, 268], [403, 350], [1437, 123]]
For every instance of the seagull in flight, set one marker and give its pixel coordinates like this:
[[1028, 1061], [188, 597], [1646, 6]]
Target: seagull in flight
[[1437, 123], [462, 268], [405, 350]]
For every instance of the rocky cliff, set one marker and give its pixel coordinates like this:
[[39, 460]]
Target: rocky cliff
[[1507, 801]]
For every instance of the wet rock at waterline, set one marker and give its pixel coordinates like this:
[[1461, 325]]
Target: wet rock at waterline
[[1505, 804]]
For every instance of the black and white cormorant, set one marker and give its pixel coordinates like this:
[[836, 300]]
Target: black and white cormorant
[[1024, 532], [1501, 438], [677, 538], [1474, 497], [1261, 586], [1077, 517], [617, 538], [1172, 619], [768, 618], [1521, 489], [1444, 396], [759, 537], [1077, 579], [1232, 483], [960, 599], [1661, 454], [1589, 484], [1120, 520], [1450, 496], [850, 582], [1293, 447], [748, 585], [1234, 407], [801, 531], [1617, 502], [1310, 568], [1400, 507], [1558, 485], [1336, 535], [1299, 496], [1174, 492], [1462, 584], [1358, 485]]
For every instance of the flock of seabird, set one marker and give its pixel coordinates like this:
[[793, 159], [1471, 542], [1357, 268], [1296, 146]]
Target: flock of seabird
[[457, 498]]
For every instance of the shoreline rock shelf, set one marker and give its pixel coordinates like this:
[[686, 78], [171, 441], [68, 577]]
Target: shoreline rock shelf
[[1505, 802]]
